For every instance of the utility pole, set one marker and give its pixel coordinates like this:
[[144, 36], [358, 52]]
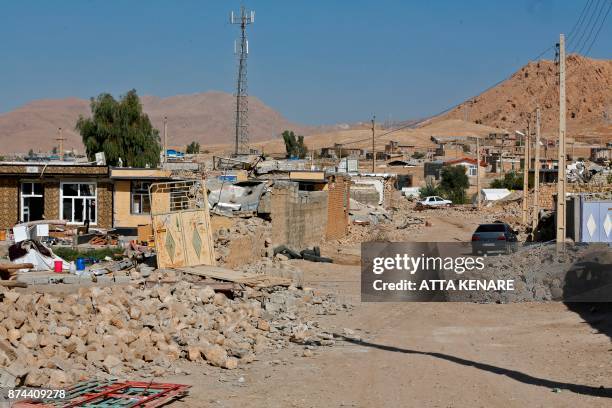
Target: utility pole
[[501, 156], [60, 139], [561, 150], [373, 146], [242, 103], [478, 171], [165, 155], [536, 173], [526, 174]]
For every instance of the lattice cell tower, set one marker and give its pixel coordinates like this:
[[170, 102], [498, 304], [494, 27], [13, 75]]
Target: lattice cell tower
[[241, 49]]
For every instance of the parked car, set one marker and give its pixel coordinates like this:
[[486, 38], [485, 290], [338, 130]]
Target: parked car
[[496, 237], [434, 201]]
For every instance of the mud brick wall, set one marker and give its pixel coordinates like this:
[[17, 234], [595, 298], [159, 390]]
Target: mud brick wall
[[105, 205], [9, 202], [338, 196], [388, 192], [52, 198], [299, 218], [548, 192]]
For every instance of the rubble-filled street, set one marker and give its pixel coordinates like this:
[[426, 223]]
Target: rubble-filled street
[[309, 341], [314, 224]]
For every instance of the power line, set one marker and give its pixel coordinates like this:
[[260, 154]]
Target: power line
[[570, 36], [586, 28], [579, 21], [380, 135], [536, 58], [595, 23], [603, 22]]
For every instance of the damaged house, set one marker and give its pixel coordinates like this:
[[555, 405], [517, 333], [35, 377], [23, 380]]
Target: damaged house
[[308, 208], [73, 192], [106, 197]]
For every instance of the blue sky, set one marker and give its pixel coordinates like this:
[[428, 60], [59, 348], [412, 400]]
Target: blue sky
[[315, 61]]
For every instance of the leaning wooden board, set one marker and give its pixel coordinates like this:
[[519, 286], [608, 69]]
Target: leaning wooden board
[[230, 275]]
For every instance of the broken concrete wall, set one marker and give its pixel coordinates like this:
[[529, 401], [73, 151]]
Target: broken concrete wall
[[240, 241], [299, 218], [338, 206], [365, 194], [363, 190]]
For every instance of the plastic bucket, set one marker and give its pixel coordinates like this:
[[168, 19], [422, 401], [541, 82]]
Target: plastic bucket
[[58, 266], [80, 264]]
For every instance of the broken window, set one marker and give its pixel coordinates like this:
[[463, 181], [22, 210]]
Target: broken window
[[141, 202], [78, 202], [32, 201]]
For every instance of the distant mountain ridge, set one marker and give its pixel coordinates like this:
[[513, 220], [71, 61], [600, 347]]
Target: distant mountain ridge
[[207, 118]]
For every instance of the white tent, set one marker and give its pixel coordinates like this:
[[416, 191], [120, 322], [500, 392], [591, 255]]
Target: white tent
[[494, 194]]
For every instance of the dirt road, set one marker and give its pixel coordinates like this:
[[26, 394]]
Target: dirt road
[[425, 355]]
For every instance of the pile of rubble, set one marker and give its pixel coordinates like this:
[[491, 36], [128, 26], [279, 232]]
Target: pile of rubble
[[55, 340], [255, 228], [542, 272]]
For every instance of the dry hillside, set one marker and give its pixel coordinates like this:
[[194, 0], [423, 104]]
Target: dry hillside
[[589, 99], [204, 117], [362, 137]]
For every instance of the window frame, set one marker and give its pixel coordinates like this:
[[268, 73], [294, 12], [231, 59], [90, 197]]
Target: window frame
[[78, 196], [141, 192], [472, 170], [30, 195]]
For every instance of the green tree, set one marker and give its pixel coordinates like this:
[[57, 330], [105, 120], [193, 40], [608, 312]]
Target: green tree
[[193, 148], [31, 153], [430, 189], [294, 146], [120, 129], [454, 183], [54, 150]]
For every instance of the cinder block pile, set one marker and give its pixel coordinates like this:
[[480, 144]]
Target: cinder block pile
[[134, 332]]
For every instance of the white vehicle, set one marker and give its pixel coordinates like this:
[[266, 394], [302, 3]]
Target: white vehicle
[[434, 201]]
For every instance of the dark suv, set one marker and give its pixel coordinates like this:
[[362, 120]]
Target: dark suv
[[496, 237]]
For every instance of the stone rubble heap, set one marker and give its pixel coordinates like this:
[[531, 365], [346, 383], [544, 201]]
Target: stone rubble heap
[[122, 331], [258, 228], [542, 273]]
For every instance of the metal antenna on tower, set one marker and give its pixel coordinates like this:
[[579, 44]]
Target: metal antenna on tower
[[242, 103]]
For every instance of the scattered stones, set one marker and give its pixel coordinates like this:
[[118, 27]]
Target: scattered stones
[[113, 331]]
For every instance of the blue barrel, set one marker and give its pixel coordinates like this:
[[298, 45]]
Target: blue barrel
[[80, 264]]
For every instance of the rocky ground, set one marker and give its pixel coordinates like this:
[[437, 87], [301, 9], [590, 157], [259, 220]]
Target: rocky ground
[[134, 330], [424, 355], [316, 345]]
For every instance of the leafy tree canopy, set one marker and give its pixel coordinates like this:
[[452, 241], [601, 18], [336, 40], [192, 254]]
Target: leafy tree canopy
[[193, 148], [294, 146], [454, 183], [120, 129]]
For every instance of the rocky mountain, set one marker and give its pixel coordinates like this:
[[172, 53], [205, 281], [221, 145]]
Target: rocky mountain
[[509, 104]]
